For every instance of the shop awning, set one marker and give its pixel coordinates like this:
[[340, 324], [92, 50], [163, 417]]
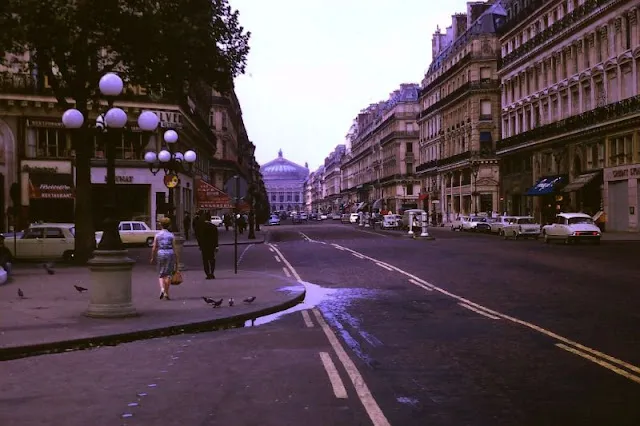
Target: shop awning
[[210, 197], [360, 206], [377, 205], [51, 186], [580, 182], [546, 185]]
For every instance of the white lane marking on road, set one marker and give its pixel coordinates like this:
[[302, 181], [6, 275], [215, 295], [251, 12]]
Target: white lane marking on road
[[362, 390], [271, 250], [243, 253], [286, 262], [382, 265], [307, 319], [277, 258], [336, 382], [600, 362], [478, 311], [286, 272], [374, 233], [358, 255], [526, 324], [414, 282], [306, 237]]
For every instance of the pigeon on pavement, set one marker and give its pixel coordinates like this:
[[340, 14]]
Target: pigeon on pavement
[[249, 299], [20, 293], [231, 302], [80, 289], [49, 268], [208, 300], [217, 303]]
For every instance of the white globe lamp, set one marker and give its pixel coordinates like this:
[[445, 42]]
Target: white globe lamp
[[171, 136], [148, 121], [164, 156], [115, 118], [72, 119], [190, 156], [179, 156], [111, 84], [150, 157]]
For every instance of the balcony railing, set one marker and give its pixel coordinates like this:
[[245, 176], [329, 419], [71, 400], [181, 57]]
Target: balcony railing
[[399, 134], [567, 22], [482, 154], [470, 86], [522, 15], [599, 115]]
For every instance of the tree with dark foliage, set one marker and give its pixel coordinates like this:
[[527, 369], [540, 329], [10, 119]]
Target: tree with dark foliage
[[163, 46]]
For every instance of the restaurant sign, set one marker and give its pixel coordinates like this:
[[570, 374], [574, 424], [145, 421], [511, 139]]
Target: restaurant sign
[[209, 197]]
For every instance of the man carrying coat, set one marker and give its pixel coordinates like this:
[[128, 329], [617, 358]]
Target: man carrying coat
[[207, 235]]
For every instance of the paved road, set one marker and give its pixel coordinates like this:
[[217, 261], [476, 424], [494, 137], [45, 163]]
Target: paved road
[[490, 332]]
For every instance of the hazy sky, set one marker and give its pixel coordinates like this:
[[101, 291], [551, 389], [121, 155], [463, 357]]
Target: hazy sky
[[314, 64]]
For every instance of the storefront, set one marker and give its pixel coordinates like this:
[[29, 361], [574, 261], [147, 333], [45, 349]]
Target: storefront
[[622, 198], [47, 191], [549, 199], [140, 195]]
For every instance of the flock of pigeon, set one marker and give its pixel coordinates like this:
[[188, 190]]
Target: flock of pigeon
[[214, 303], [218, 303]]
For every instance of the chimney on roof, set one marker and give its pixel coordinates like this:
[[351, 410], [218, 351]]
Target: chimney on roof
[[459, 24], [437, 43], [474, 10]]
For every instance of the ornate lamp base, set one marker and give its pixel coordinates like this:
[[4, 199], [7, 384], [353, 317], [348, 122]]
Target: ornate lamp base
[[110, 289]]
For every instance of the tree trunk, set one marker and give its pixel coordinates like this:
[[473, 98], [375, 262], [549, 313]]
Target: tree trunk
[[85, 233]]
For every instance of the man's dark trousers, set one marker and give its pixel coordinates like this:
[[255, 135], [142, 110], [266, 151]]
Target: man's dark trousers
[[207, 235], [209, 262]]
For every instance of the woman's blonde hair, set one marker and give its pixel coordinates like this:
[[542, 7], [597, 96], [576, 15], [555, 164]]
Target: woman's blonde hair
[[165, 222]]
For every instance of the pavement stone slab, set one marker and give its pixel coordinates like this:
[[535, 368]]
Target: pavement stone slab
[[52, 310]]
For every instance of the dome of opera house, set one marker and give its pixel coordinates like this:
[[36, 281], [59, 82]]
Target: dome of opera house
[[281, 168]]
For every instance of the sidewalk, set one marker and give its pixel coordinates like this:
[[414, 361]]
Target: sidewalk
[[50, 318], [225, 238]]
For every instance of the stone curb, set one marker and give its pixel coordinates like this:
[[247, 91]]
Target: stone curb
[[236, 321], [240, 243]]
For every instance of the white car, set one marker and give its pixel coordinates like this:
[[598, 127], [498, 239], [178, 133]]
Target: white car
[[304, 216], [499, 223], [216, 220], [461, 223], [44, 241], [354, 218], [323, 216], [521, 227], [389, 221], [274, 220], [133, 233], [572, 227]]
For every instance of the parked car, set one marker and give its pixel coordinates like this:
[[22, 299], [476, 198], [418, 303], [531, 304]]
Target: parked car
[[323, 216], [133, 233], [499, 223], [304, 216], [336, 216], [460, 223], [572, 227], [345, 218], [389, 221], [44, 241], [274, 220], [521, 227], [354, 218], [216, 220], [416, 217], [478, 224]]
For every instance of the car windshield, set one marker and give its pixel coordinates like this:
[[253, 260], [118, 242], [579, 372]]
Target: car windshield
[[525, 221], [580, 220], [478, 219]]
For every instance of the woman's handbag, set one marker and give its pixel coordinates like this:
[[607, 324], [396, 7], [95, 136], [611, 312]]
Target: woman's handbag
[[176, 278]]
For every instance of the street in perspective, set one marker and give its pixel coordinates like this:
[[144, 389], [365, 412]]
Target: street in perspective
[[252, 213]]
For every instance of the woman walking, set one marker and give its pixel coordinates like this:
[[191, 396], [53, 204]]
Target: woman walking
[[164, 253]]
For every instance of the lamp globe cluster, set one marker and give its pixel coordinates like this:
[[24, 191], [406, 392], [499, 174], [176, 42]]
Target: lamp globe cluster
[[167, 158]]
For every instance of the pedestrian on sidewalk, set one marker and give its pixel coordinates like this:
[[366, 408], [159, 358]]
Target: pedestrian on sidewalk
[[208, 243], [5, 257], [164, 253], [186, 223]]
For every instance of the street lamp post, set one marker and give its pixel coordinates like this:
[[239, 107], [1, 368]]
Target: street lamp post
[[172, 162], [475, 168], [111, 268]]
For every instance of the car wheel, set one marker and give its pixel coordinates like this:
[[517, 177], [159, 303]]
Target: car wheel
[[149, 242], [68, 256]]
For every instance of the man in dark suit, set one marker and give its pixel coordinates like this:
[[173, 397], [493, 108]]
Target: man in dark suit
[[207, 235]]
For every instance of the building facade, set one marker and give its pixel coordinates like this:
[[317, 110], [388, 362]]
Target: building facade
[[38, 159], [285, 184], [459, 117], [378, 172], [332, 180], [570, 110]]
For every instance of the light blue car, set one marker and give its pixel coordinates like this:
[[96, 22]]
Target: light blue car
[[274, 220]]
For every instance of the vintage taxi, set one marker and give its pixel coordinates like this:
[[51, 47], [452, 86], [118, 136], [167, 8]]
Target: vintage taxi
[[44, 241]]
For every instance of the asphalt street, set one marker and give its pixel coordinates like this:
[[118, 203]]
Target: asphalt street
[[463, 330]]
